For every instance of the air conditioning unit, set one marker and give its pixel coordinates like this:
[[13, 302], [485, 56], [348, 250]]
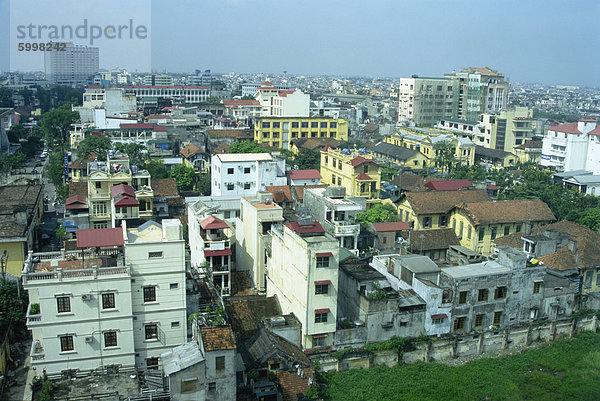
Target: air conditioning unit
[[89, 339], [86, 297]]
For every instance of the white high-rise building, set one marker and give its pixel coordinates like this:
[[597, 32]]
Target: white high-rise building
[[572, 146], [117, 300], [75, 66]]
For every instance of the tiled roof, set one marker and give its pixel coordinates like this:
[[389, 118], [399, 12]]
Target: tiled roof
[[363, 177], [393, 151], [561, 260], [530, 145], [243, 133], [122, 189], [213, 223], [126, 201], [395, 226], [76, 202], [100, 237], [317, 143], [265, 346], [449, 185], [410, 182], [247, 313], [370, 128], [82, 162], [513, 240], [190, 150], [433, 202], [164, 187], [20, 195], [595, 131], [507, 211], [222, 148], [570, 128], [137, 126], [281, 193], [241, 102], [217, 338], [424, 240], [284, 93], [493, 153], [292, 384], [305, 174], [158, 117], [78, 188], [358, 160]]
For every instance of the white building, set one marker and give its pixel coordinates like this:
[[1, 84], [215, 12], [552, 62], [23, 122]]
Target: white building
[[118, 300], [253, 235], [179, 94], [75, 65], [158, 80], [304, 177], [572, 146], [303, 269], [276, 102], [245, 173]]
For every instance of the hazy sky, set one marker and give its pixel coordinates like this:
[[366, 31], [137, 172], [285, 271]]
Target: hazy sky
[[546, 41]]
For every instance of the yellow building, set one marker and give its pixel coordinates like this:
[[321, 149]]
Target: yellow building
[[425, 210], [399, 155], [529, 152], [478, 224], [424, 140], [360, 175], [280, 132], [22, 209]]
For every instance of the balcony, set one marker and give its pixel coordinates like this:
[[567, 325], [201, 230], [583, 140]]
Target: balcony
[[33, 318], [220, 268], [346, 229], [216, 245], [127, 215], [37, 351]]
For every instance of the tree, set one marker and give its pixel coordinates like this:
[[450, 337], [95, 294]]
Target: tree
[[248, 97], [204, 184], [444, 155], [100, 145], [56, 169], [247, 147], [16, 132], [137, 153], [27, 96], [590, 218], [380, 213], [388, 173], [185, 177], [6, 98], [307, 159], [31, 146], [62, 192], [157, 168], [57, 124], [12, 307]]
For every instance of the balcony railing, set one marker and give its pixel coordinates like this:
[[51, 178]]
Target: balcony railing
[[33, 318], [217, 245], [63, 275], [37, 351], [222, 268]]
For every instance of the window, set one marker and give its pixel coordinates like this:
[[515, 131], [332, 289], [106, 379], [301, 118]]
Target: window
[[98, 184], [266, 124], [150, 294], [276, 125], [438, 320], [518, 228], [497, 317], [481, 234], [506, 230], [427, 222], [152, 363], [320, 317], [443, 221], [500, 292], [323, 261], [478, 321], [494, 231], [462, 297], [536, 287], [246, 170], [212, 386], [482, 295], [99, 209], [174, 325], [188, 385], [304, 124], [64, 304], [459, 323], [295, 124], [339, 180], [66, 343], [110, 339], [314, 124], [220, 362], [173, 286], [230, 170], [246, 185], [108, 300], [333, 124], [155, 254], [469, 232], [321, 289], [151, 331]]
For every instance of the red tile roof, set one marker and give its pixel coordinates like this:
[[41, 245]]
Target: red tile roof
[[159, 128], [439, 316], [157, 116], [224, 252], [570, 128], [241, 102], [323, 254], [136, 126], [126, 201], [76, 202], [315, 227], [280, 193], [363, 177], [213, 223], [100, 237], [358, 160], [305, 174], [507, 211], [595, 131], [190, 150], [322, 282], [450, 185], [284, 93], [122, 189], [395, 226], [165, 87], [322, 310], [292, 384], [218, 338]]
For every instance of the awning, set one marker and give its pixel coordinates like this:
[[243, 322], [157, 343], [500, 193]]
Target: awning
[[324, 310], [324, 254], [323, 282], [224, 252], [439, 316], [320, 335]]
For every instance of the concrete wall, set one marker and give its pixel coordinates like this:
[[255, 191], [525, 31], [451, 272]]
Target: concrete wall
[[196, 374], [224, 379]]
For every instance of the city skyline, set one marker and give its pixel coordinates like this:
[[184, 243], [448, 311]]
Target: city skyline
[[379, 39]]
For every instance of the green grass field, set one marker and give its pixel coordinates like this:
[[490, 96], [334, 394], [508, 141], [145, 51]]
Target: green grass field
[[565, 370]]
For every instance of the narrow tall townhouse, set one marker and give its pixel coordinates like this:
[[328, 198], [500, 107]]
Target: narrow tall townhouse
[[118, 300], [303, 274]]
